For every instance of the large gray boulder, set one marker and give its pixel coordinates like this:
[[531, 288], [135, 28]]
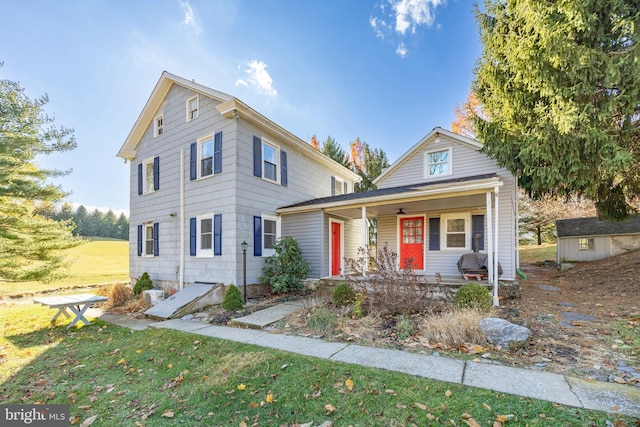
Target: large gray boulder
[[503, 333]]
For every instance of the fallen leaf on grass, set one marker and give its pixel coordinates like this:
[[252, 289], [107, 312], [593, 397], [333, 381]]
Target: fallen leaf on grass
[[487, 407], [138, 351], [448, 393], [167, 414], [471, 422], [269, 398], [89, 421], [241, 386], [431, 417], [330, 408], [420, 406], [391, 392], [349, 383], [121, 362], [253, 405]]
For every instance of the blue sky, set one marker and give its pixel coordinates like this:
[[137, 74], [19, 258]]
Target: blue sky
[[386, 71]]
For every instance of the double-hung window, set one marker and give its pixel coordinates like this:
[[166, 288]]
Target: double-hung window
[[148, 239], [206, 157], [192, 108], [266, 232], [158, 126], [205, 235], [455, 229], [149, 176], [438, 163], [270, 162]]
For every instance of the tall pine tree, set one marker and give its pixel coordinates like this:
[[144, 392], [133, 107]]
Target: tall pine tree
[[558, 83], [30, 244]]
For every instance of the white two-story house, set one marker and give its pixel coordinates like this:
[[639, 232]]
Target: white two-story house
[[209, 173]]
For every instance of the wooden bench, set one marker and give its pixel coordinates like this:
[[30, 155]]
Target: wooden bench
[[78, 304]]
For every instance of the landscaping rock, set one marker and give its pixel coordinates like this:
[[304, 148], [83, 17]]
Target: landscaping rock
[[503, 333]]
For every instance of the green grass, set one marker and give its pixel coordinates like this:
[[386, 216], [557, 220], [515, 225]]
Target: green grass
[[164, 377], [100, 260], [533, 254]]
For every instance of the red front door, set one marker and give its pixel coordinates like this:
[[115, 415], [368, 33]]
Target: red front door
[[336, 250], [412, 242]]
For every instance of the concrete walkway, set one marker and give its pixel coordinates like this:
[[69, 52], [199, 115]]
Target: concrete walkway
[[608, 397]]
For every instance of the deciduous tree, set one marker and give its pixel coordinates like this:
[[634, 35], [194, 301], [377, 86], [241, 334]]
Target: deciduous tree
[[30, 244], [559, 83]]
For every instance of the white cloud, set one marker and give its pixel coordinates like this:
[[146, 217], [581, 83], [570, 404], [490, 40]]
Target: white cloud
[[190, 18], [408, 15], [102, 209], [258, 78], [402, 50]]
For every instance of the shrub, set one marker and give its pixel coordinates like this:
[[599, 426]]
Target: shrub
[[404, 327], [285, 269], [473, 296], [388, 290], [119, 294], [144, 283], [233, 299], [343, 295], [358, 310], [322, 321]]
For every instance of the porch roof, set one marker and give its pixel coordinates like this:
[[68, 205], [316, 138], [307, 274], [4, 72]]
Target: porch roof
[[420, 191]]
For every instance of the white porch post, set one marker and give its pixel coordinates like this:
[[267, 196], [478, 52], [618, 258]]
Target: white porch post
[[365, 241], [489, 240], [496, 273]]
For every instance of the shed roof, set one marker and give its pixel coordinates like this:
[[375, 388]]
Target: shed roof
[[577, 227]]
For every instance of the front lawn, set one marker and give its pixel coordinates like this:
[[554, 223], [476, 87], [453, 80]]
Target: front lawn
[[161, 377]]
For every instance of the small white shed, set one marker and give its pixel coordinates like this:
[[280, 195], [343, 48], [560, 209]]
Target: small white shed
[[589, 239]]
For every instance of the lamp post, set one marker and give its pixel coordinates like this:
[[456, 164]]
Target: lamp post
[[244, 245]]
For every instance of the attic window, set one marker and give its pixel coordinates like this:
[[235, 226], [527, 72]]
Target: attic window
[[158, 126], [586, 244], [192, 108], [438, 163]]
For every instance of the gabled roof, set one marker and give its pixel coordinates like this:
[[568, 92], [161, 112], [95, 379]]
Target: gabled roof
[[421, 189], [424, 141], [229, 107], [128, 150], [577, 227]]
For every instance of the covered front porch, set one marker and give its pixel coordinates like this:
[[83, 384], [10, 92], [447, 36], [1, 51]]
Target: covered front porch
[[429, 226]]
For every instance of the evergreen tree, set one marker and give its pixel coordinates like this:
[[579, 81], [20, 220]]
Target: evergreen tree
[[331, 148], [30, 244], [122, 227], [559, 88], [109, 225], [80, 218]]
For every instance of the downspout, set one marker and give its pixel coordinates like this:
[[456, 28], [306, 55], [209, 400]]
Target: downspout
[[181, 284], [496, 271]]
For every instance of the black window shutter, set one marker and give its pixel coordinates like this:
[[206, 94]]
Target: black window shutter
[[284, 180], [346, 188], [217, 234], [333, 185], [434, 234], [257, 236], [217, 153], [156, 174], [477, 227], [139, 179], [193, 161], [192, 236], [156, 243], [140, 240], [257, 156]]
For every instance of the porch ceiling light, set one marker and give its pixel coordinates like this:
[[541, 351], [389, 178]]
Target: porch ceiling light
[[400, 212]]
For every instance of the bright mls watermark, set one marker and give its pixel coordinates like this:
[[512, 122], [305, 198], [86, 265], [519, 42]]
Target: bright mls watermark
[[34, 415]]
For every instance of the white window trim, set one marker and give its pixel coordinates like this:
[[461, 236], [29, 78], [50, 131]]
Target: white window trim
[[157, 130], [146, 226], [331, 221], [339, 183], [145, 185], [199, 155], [188, 112], [204, 253], [278, 171], [267, 252], [426, 162], [467, 231]]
